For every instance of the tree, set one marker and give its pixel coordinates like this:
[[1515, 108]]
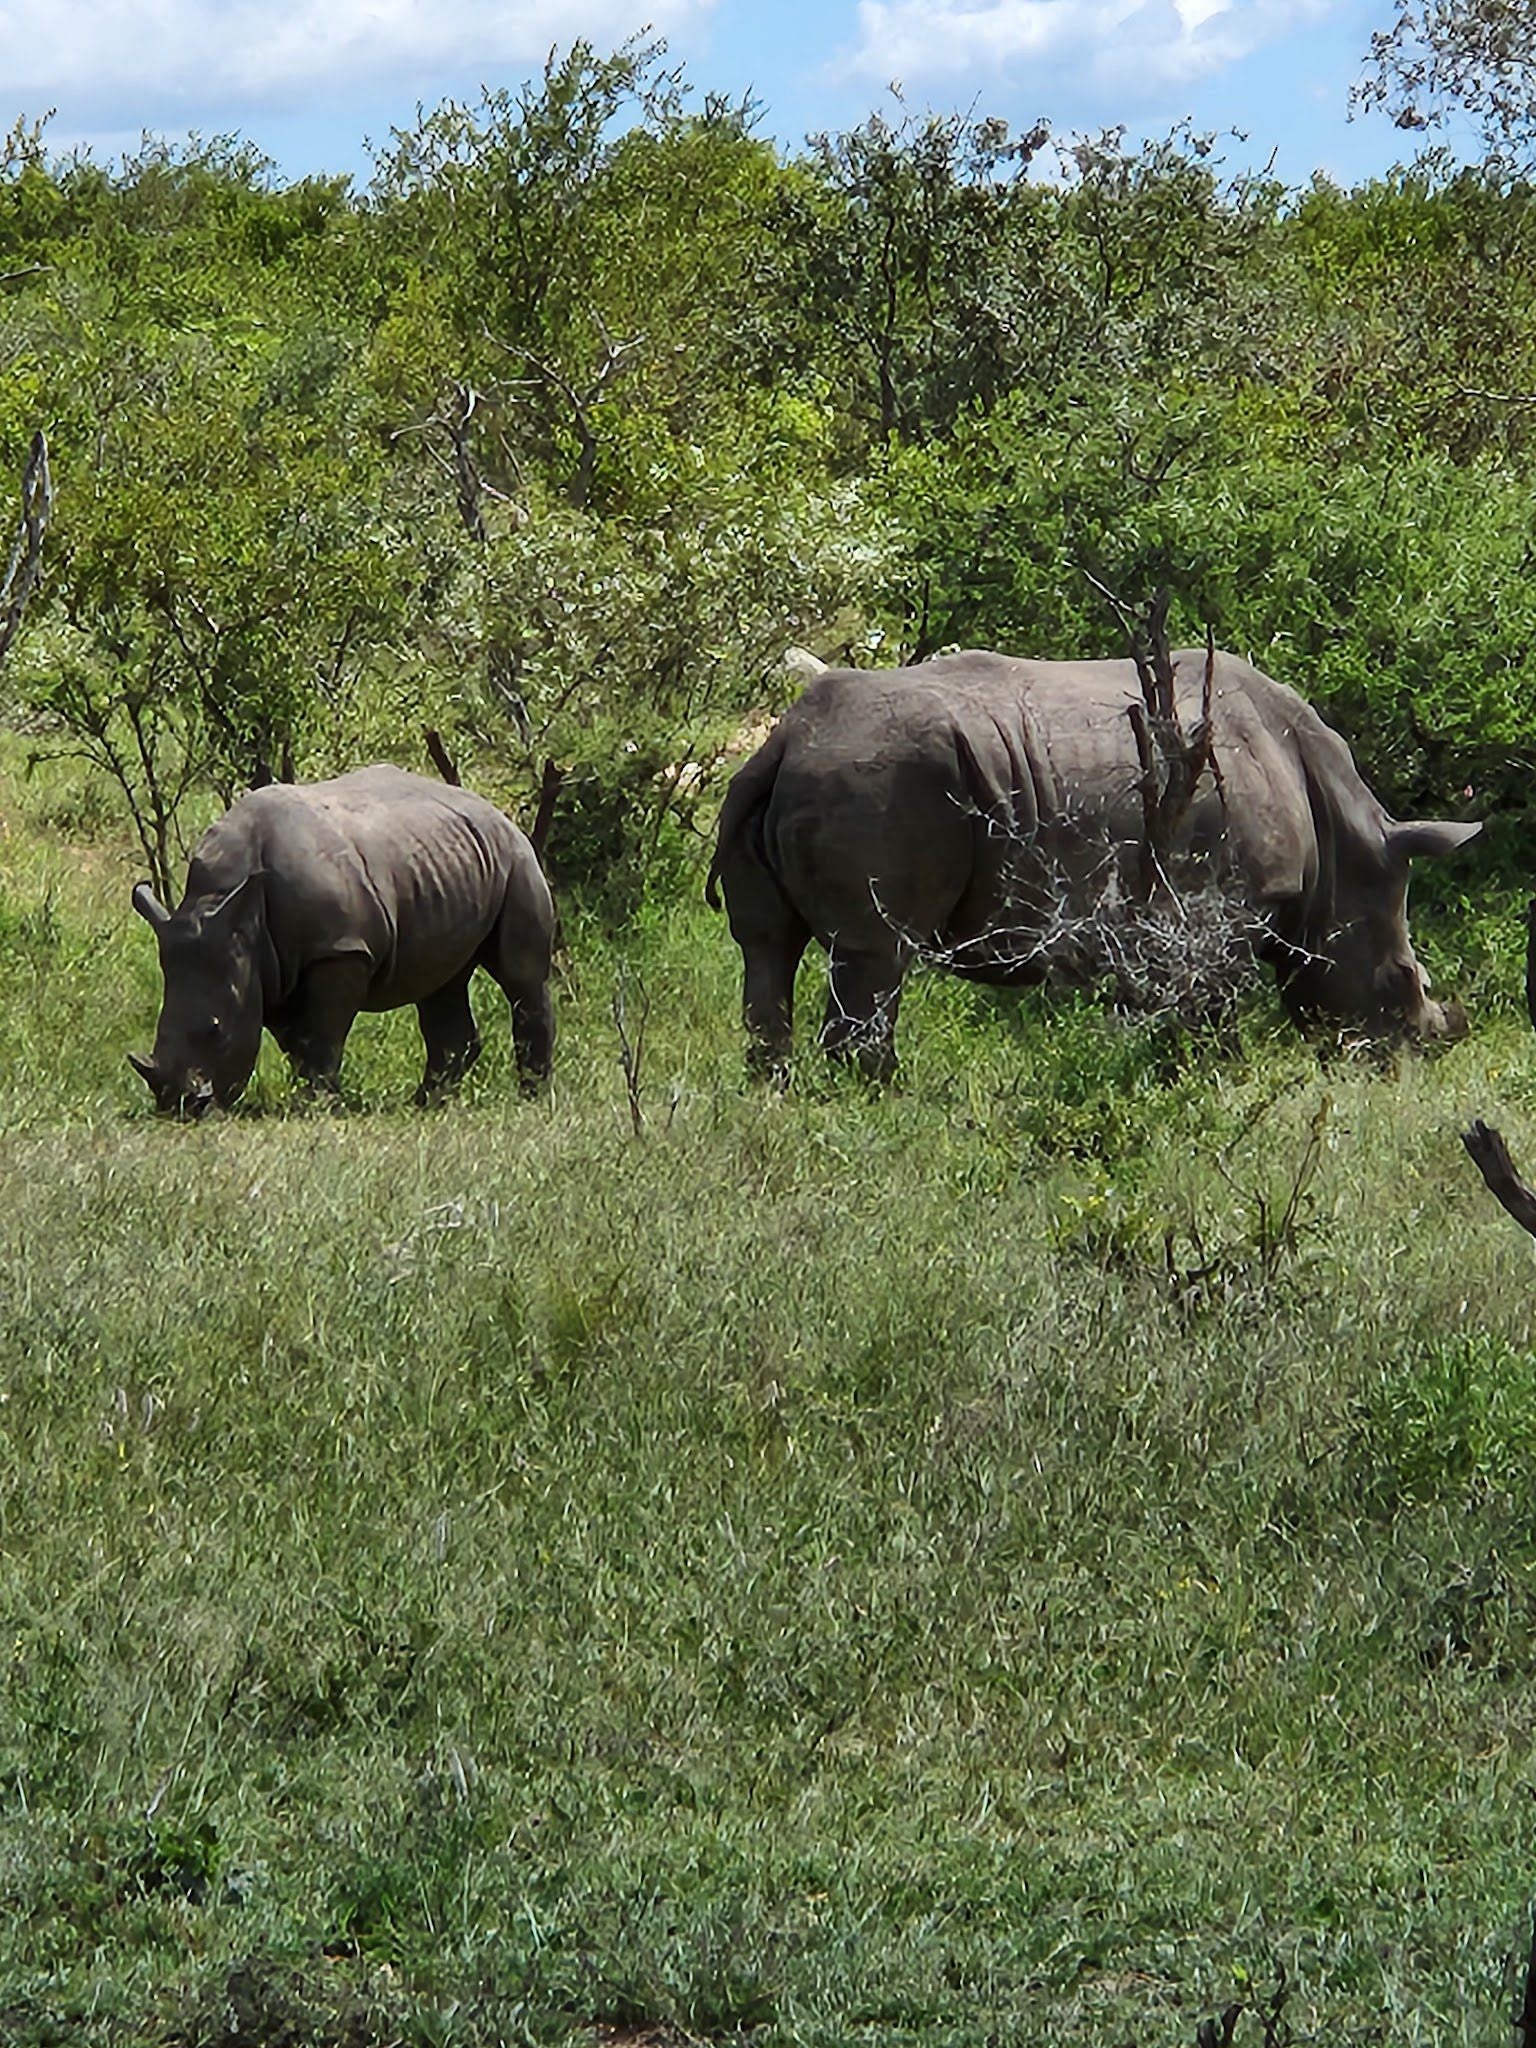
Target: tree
[[903, 267], [26, 558], [1476, 56], [568, 271], [220, 590], [231, 564], [642, 527]]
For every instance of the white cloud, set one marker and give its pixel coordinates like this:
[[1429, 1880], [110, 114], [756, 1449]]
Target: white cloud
[[1193, 13], [1158, 42], [148, 61]]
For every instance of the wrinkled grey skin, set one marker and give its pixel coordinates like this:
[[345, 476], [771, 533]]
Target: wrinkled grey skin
[[308, 902], [898, 810]]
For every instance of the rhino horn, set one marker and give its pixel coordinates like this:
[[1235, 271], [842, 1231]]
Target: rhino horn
[[149, 906], [145, 1069], [1427, 836]]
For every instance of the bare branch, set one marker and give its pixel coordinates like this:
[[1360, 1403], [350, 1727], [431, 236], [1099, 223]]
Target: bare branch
[[616, 357], [632, 1049], [26, 559], [442, 760], [1496, 397], [1068, 911], [454, 421], [1491, 1157], [544, 817], [1127, 624], [1171, 761]]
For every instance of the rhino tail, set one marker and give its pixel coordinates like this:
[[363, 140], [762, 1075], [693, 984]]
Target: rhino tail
[[745, 799]]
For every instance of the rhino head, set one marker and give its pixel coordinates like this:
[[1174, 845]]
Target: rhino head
[[209, 1032], [1360, 966]]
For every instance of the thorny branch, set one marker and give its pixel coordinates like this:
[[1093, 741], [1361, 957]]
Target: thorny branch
[[1064, 914]]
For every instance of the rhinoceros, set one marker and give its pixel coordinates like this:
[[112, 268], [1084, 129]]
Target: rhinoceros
[[944, 809], [308, 902]]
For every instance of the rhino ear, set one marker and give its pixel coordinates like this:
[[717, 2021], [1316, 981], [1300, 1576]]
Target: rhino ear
[[242, 903], [1427, 836], [149, 906], [145, 1069]]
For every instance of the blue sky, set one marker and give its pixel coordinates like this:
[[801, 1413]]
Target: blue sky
[[309, 80]]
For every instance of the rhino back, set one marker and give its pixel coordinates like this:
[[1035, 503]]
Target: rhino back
[[1299, 810], [411, 873], [899, 791], [866, 826]]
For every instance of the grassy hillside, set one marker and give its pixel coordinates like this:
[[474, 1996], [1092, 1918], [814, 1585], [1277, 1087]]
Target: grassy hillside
[[1036, 1556]]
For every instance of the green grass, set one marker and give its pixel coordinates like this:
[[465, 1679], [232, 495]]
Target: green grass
[[1031, 1556]]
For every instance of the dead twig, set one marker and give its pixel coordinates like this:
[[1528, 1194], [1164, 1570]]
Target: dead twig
[[1171, 760], [1219, 2033], [632, 1049], [1491, 1157], [442, 760]]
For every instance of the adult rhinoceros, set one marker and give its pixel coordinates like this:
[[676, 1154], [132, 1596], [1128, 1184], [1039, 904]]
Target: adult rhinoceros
[[308, 902], [947, 808]]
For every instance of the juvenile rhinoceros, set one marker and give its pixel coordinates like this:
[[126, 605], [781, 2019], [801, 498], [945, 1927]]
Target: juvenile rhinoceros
[[947, 808], [308, 902]]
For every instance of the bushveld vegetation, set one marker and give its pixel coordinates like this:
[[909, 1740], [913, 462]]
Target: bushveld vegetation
[[1041, 1553]]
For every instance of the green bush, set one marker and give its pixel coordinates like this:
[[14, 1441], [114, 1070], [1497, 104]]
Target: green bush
[[1453, 1423]]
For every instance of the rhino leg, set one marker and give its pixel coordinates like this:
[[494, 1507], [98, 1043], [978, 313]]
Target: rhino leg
[[863, 997], [448, 1032], [773, 940], [533, 1035], [768, 1000], [516, 956], [323, 1011]]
